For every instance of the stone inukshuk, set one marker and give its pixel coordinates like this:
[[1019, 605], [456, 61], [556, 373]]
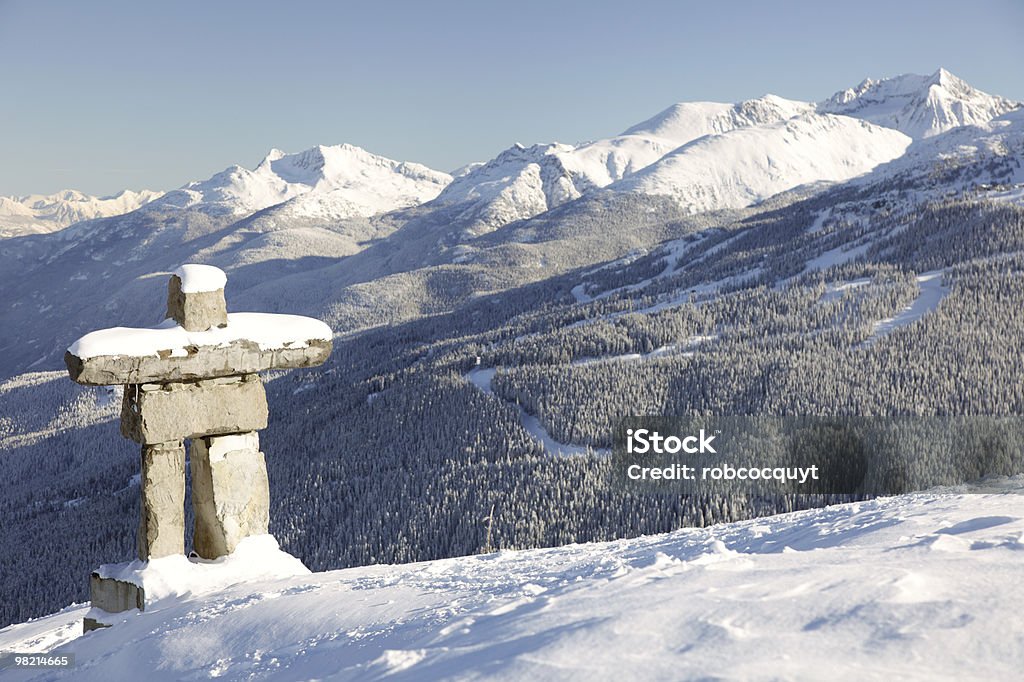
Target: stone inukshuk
[[195, 377]]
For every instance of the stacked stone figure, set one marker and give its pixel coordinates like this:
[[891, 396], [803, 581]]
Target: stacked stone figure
[[196, 378]]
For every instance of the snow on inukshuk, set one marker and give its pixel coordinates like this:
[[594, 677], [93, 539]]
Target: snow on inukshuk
[[195, 377]]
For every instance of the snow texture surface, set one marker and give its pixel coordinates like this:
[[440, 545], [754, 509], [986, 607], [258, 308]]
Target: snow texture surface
[[198, 278], [257, 557], [930, 295], [917, 587], [481, 378], [746, 165]]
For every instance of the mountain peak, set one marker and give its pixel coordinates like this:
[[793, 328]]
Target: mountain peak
[[946, 79], [334, 182], [920, 106], [273, 155]]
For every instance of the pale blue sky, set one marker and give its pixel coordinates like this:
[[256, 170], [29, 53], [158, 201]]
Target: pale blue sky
[[105, 95]]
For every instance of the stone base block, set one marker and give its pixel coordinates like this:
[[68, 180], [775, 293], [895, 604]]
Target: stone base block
[[110, 596], [230, 492], [157, 413], [115, 596]]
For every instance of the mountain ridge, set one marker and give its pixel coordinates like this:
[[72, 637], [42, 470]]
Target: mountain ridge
[[359, 184], [39, 213], [336, 182]]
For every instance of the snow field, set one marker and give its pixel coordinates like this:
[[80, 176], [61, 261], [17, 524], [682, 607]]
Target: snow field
[[910, 587]]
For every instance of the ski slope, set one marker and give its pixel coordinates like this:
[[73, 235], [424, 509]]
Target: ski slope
[[931, 291], [919, 587]]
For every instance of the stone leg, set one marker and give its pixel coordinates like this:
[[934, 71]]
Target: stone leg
[[230, 492], [162, 521]]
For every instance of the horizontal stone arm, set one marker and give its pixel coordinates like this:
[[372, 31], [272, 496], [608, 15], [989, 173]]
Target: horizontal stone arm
[[200, 362]]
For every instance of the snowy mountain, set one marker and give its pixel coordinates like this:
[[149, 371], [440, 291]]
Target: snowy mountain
[[678, 152], [323, 183], [912, 587], [37, 213], [522, 182], [687, 121], [920, 106], [746, 165]]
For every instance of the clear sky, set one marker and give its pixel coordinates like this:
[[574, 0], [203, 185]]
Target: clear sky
[[104, 95]]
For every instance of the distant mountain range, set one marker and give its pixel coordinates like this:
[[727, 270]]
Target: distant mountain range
[[37, 213], [323, 182], [704, 155]]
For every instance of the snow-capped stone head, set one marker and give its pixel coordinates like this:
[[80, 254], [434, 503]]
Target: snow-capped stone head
[[195, 297], [197, 278]]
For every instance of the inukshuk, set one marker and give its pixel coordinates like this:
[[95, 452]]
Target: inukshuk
[[195, 377]]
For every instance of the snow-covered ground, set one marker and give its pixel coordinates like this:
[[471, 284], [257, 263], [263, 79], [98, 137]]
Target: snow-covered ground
[[836, 291], [673, 252], [685, 349], [1013, 195], [837, 256], [920, 587]]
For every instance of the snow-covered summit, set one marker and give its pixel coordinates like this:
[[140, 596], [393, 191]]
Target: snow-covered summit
[[330, 183], [522, 181], [338, 181], [984, 158], [746, 165], [696, 153], [686, 121], [38, 213], [920, 106]]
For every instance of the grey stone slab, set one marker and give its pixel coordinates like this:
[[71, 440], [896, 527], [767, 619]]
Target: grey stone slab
[[162, 501], [230, 492], [157, 413], [202, 362]]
